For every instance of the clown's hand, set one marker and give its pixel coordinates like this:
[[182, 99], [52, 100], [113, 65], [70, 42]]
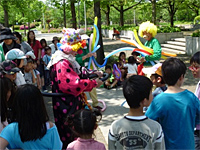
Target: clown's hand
[[141, 60]]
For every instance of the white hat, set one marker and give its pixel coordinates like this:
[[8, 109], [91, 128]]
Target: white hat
[[154, 69], [15, 54], [30, 53]]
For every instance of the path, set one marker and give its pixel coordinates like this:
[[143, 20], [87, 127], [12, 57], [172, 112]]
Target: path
[[114, 97]]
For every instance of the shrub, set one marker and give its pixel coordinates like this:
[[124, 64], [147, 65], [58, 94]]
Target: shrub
[[196, 33], [32, 25], [197, 20], [16, 27]]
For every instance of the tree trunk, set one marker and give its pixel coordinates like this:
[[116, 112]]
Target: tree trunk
[[153, 2], [64, 13], [108, 15], [171, 19], [97, 12], [74, 24], [24, 25], [121, 16], [5, 8]]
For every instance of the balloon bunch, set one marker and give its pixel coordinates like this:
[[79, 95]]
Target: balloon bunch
[[93, 47]]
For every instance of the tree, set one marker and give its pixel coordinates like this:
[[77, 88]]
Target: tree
[[153, 2], [100, 52], [5, 5], [194, 5], [106, 9], [121, 4], [172, 6], [73, 12]]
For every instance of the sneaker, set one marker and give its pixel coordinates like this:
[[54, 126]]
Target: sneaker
[[45, 91]]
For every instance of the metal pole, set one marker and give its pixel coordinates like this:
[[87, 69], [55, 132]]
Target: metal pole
[[79, 14], [85, 17]]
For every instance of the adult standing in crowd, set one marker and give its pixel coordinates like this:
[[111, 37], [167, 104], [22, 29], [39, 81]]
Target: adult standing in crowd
[[35, 45], [8, 40], [25, 46]]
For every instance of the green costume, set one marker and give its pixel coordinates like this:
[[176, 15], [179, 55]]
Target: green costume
[[2, 57], [79, 58], [155, 45]]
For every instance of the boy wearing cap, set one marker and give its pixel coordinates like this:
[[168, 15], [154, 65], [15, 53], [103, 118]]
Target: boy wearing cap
[[18, 57], [156, 78], [176, 109], [9, 69]]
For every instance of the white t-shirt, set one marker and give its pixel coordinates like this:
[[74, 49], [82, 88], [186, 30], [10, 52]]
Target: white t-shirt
[[132, 68], [20, 79]]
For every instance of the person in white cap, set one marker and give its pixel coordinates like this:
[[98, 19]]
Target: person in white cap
[[17, 56], [156, 78]]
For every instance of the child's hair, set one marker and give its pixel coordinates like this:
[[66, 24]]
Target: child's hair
[[120, 54], [31, 113], [172, 69], [6, 85], [108, 67], [84, 121], [47, 48], [43, 41], [135, 53], [195, 58], [30, 60], [135, 89], [131, 60], [157, 75]]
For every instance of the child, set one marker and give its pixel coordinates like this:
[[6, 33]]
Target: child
[[46, 59], [31, 129], [8, 69], [176, 109], [111, 81], [17, 56], [120, 65], [7, 93], [37, 75], [156, 78], [132, 66], [28, 72], [84, 123], [115, 34], [195, 68], [136, 131]]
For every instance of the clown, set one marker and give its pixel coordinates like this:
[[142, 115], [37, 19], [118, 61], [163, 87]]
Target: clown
[[65, 76], [148, 31]]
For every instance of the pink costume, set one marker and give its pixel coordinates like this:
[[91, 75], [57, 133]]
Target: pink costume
[[64, 73], [86, 144]]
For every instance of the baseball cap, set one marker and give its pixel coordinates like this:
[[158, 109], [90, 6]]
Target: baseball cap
[[154, 69], [9, 67], [15, 54]]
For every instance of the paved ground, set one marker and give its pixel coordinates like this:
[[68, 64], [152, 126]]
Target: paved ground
[[114, 97]]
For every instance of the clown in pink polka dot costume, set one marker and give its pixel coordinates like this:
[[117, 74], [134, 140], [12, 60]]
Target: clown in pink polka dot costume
[[64, 72]]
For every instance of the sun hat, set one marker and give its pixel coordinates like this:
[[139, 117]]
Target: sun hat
[[9, 67], [156, 69], [15, 54], [31, 54], [6, 33]]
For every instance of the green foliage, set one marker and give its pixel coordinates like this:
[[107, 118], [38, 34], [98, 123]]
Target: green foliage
[[52, 30], [17, 27], [163, 29], [111, 60], [196, 33], [197, 20]]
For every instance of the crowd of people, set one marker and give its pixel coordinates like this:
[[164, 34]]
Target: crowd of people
[[166, 118]]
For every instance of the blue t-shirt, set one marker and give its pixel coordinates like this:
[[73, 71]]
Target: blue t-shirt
[[177, 113], [46, 59], [50, 140]]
